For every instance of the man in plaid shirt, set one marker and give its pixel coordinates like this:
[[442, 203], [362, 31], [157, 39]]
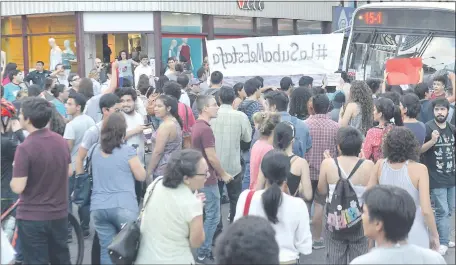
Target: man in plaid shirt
[[323, 131]]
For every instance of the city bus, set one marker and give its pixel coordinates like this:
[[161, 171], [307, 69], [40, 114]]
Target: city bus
[[381, 31]]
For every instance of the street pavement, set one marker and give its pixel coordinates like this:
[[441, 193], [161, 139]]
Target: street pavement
[[317, 256]]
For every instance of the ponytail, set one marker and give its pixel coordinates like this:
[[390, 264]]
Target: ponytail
[[272, 198], [397, 116], [178, 118]]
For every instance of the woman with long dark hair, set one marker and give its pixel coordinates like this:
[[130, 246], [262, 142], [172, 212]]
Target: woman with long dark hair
[[387, 115], [298, 180], [357, 112], [8, 69], [168, 138], [115, 167], [287, 214], [298, 102]]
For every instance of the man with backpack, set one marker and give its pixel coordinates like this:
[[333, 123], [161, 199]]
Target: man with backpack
[[439, 157]]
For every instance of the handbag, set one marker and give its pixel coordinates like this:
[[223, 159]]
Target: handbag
[[187, 136], [248, 200], [83, 183], [125, 245]]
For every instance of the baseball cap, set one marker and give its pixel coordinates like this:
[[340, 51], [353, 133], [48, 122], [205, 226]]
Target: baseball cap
[[285, 83]]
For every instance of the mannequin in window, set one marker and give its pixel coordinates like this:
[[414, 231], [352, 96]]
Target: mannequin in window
[[56, 54], [68, 57], [172, 49], [184, 53]]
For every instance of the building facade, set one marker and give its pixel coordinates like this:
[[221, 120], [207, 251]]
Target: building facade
[[97, 29]]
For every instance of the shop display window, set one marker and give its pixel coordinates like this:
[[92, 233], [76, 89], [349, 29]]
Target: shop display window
[[264, 26], [285, 26], [51, 23], [181, 22], [185, 49], [309, 27], [11, 25], [40, 50], [233, 25], [12, 48]]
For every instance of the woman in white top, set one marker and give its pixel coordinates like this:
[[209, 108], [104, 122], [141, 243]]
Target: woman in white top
[[287, 214], [349, 141], [172, 222]]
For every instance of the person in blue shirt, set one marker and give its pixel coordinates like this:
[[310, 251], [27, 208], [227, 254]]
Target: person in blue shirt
[[11, 89], [60, 93], [277, 101]]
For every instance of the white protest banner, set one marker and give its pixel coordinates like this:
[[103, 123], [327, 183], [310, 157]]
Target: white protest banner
[[277, 55]]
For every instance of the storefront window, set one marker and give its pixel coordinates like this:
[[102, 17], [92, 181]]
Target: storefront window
[[65, 53], [181, 22], [12, 46], [264, 26], [11, 25], [285, 26], [309, 27], [185, 50], [233, 25], [51, 23]]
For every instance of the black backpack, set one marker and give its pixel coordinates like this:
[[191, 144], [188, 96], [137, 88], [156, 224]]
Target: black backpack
[[344, 212]]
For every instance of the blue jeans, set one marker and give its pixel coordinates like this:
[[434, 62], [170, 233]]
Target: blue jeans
[[108, 223], [246, 179], [83, 211], [121, 81], [212, 217], [443, 200]]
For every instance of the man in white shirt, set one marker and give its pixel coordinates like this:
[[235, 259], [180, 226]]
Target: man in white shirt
[[74, 133], [135, 121], [143, 68], [388, 216]]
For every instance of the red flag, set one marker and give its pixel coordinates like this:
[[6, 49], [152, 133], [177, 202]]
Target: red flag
[[404, 71]]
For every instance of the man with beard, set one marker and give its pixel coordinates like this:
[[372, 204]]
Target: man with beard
[[135, 122], [439, 157]]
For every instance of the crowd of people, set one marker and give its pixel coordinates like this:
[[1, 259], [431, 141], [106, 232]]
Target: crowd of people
[[364, 170]]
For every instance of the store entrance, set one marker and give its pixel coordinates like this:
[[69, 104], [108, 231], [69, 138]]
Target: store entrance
[[108, 46]]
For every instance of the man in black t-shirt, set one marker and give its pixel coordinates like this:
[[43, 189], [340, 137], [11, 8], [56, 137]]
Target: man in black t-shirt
[[439, 158], [39, 75]]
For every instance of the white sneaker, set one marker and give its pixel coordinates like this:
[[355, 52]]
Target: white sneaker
[[443, 250], [451, 244]]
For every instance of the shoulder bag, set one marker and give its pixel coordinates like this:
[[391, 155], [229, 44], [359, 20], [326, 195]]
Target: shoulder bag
[[125, 245], [83, 183]]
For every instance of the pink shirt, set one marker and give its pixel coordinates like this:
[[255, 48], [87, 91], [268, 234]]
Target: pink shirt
[[259, 150]]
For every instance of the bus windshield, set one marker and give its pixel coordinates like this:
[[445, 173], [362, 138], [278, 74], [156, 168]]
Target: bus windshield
[[370, 51]]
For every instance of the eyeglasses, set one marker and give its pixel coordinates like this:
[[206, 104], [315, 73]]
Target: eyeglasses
[[206, 175]]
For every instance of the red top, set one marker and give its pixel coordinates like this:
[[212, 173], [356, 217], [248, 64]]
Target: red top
[[184, 112]]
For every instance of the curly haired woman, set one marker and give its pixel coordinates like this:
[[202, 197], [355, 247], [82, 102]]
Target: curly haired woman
[[401, 150], [357, 112]]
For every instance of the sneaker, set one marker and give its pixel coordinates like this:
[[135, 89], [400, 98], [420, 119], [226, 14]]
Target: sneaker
[[207, 259], [443, 250], [86, 233], [451, 244], [319, 244], [228, 218]]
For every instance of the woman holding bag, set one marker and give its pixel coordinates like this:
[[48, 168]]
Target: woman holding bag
[[115, 166], [172, 221]]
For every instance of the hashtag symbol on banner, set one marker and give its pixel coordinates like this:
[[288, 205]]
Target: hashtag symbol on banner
[[321, 52]]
